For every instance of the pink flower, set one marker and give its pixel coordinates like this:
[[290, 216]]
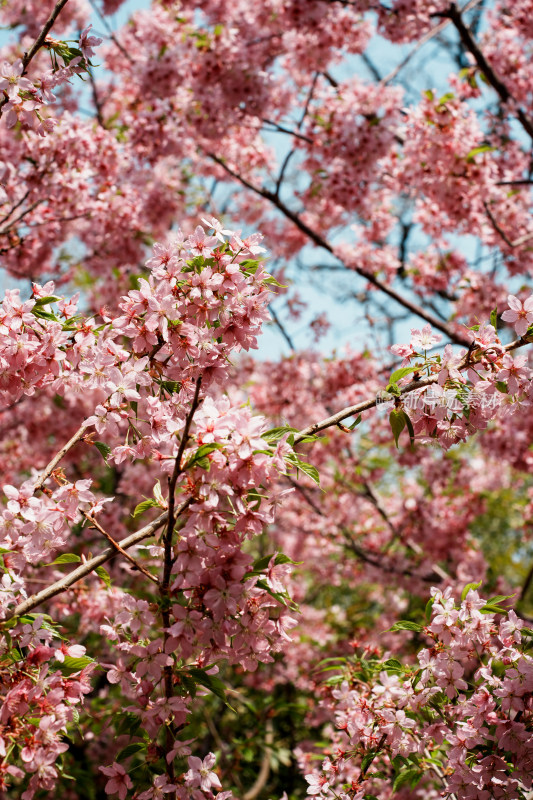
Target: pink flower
[[424, 339], [200, 773], [514, 372], [161, 787], [119, 782], [520, 314], [11, 80], [88, 42]]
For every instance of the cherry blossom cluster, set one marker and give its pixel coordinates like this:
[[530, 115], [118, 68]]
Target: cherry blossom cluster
[[203, 297], [26, 98], [45, 683], [459, 719], [472, 387]]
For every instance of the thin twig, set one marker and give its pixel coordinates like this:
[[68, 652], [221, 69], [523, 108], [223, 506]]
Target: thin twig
[[45, 474], [14, 208], [281, 328], [48, 25], [426, 38], [24, 213], [365, 405], [110, 32], [282, 129], [264, 770], [118, 547], [454, 14], [516, 242], [96, 100], [321, 242], [89, 566], [38, 43]]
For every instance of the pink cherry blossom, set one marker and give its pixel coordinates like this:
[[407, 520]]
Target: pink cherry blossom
[[520, 314]]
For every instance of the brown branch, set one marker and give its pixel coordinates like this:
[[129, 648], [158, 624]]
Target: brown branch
[[321, 242], [172, 481], [365, 405], [14, 208], [110, 33], [96, 100], [375, 560], [168, 562], [281, 328], [38, 43], [454, 14], [89, 566], [24, 213], [59, 455], [282, 129], [517, 242], [496, 225], [48, 25], [94, 524], [426, 38]]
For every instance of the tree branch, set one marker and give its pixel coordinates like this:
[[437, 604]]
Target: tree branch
[[48, 25], [365, 405], [94, 524], [321, 242], [59, 455], [89, 566], [454, 14], [424, 40]]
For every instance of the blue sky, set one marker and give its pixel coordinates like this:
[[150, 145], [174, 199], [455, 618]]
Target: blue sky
[[428, 69]]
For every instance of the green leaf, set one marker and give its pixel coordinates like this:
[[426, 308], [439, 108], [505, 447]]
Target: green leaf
[[307, 469], [397, 422], [271, 281], [77, 664], [469, 586], [367, 760], [104, 575], [406, 625], [262, 563], [128, 723], [38, 312], [393, 665], [103, 449], [445, 98], [282, 598], [310, 471], [144, 506], [494, 319], [130, 750], [44, 301], [502, 387], [66, 558], [398, 374], [409, 776], [200, 458], [490, 608], [393, 389], [274, 434], [170, 386], [494, 601], [210, 682], [484, 148], [410, 428]]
